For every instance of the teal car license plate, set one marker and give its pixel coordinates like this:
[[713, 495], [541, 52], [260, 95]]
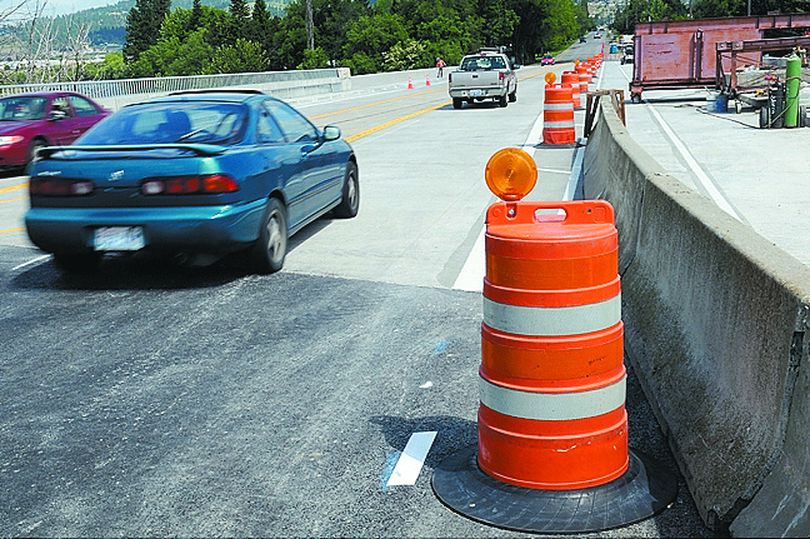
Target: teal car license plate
[[119, 238], [476, 93]]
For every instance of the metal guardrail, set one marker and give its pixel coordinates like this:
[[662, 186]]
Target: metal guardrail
[[101, 89]]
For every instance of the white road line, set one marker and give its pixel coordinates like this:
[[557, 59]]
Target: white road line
[[554, 170], [601, 73], [412, 459], [535, 133], [471, 277], [34, 261], [705, 181]]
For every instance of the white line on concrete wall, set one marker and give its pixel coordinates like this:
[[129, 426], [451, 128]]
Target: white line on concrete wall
[[410, 462], [708, 185]]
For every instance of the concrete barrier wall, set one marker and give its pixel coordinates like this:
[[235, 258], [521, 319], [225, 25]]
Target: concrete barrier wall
[[717, 321]]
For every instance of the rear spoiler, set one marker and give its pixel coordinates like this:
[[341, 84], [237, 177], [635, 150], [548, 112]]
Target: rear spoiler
[[202, 150]]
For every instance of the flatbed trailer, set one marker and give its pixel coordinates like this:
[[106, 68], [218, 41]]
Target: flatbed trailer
[[682, 54]]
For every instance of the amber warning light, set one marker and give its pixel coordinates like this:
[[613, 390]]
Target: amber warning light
[[511, 174], [550, 78]]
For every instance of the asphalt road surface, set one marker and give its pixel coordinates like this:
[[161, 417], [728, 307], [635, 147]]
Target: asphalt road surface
[[154, 400]]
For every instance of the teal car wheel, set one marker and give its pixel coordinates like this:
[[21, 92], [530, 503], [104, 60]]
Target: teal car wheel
[[271, 248], [350, 202]]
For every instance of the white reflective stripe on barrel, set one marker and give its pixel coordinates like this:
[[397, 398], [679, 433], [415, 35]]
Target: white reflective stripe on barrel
[[557, 106], [552, 321], [552, 406], [558, 125]]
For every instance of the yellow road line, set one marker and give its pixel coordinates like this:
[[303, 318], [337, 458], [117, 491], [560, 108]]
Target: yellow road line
[[377, 128], [15, 199], [395, 99], [11, 188], [375, 104], [12, 230]]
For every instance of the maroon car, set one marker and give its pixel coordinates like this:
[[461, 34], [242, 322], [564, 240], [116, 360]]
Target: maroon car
[[31, 121]]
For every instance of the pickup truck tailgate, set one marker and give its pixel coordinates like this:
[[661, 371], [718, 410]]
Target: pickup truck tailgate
[[475, 79]]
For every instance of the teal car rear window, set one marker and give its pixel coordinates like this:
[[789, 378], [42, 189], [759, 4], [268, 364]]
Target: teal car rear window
[[165, 123]]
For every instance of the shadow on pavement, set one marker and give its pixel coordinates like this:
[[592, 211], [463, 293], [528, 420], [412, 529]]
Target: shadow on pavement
[[150, 272], [129, 274], [454, 433]]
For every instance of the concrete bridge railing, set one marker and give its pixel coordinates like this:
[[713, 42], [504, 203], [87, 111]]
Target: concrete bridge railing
[[117, 93], [717, 322]]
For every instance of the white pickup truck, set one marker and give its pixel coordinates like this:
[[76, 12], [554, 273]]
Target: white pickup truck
[[481, 76]]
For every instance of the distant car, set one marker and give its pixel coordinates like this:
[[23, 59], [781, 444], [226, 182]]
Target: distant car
[[547, 60], [627, 55], [582, 39], [197, 173], [32, 121], [597, 35]]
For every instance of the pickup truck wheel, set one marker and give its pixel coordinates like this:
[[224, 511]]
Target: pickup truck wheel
[[502, 101], [457, 103], [513, 97]]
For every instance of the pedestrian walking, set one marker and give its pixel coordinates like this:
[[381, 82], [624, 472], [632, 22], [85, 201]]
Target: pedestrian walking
[[440, 67]]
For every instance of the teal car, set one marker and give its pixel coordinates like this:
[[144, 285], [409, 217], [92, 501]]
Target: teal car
[[197, 175]]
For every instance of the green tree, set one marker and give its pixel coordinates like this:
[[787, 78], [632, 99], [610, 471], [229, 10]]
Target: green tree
[[112, 67], [330, 19], [314, 59], [373, 34], [560, 26], [239, 24], [242, 57], [260, 28], [636, 11], [584, 20], [173, 57], [196, 16], [501, 22], [143, 26], [406, 55], [731, 8]]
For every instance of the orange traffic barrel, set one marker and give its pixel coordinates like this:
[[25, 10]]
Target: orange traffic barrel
[[552, 453], [552, 388], [584, 78], [571, 78], [558, 116]]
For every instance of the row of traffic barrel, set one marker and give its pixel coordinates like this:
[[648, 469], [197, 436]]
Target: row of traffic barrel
[[560, 101]]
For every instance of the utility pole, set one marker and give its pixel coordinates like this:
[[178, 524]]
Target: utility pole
[[310, 27], [749, 8]]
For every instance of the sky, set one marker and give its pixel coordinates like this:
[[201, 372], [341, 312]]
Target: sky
[[61, 7]]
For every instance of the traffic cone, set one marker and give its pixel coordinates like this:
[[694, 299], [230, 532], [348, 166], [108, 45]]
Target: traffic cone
[[410, 83], [427, 80]]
